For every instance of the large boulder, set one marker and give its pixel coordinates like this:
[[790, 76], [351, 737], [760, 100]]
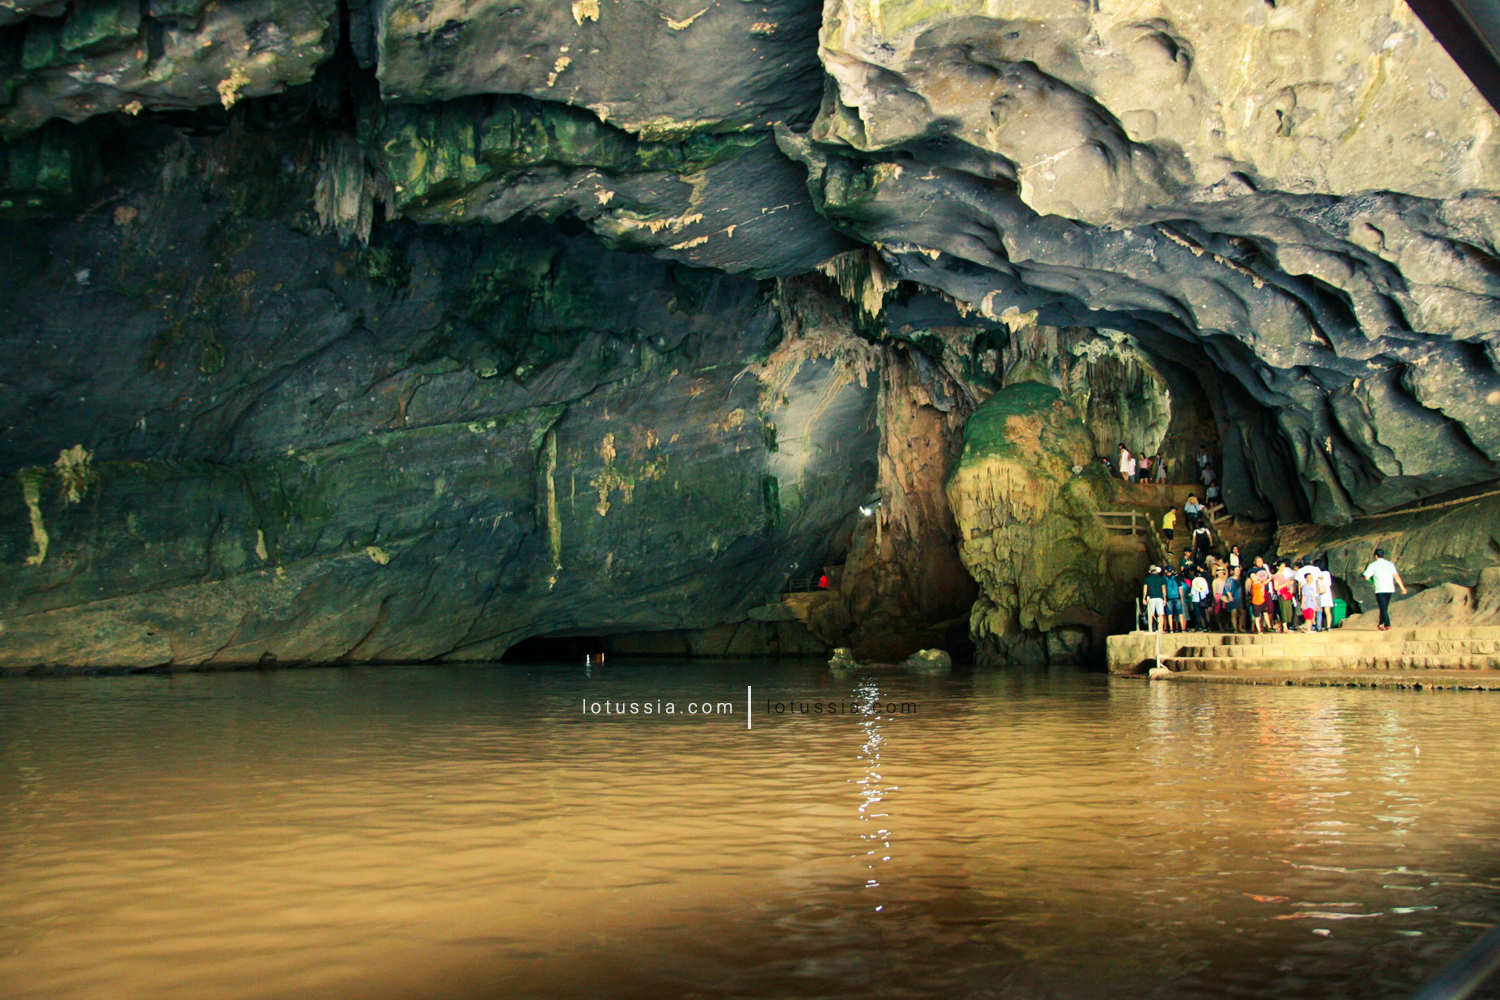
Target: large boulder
[[1445, 604]]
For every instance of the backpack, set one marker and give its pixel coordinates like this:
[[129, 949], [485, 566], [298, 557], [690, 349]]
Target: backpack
[[1174, 588]]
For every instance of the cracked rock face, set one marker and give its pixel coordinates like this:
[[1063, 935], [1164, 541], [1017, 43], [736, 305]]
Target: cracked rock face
[[272, 260]]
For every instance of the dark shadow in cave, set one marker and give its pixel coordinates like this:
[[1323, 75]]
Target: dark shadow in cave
[[554, 649]]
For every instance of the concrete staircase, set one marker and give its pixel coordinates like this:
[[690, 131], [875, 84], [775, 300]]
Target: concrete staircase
[[1399, 656]]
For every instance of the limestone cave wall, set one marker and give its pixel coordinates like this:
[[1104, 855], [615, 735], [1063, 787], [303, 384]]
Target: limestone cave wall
[[338, 330]]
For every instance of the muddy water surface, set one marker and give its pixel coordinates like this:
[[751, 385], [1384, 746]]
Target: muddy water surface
[[474, 833]]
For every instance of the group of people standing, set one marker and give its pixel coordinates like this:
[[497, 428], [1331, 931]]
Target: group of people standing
[[1145, 468], [1225, 596], [1141, 468], [1212, 594]]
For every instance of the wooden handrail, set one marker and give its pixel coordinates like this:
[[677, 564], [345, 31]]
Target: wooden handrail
[[1123, 520]]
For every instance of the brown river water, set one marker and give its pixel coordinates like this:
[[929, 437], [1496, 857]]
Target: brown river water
[[400, 834]]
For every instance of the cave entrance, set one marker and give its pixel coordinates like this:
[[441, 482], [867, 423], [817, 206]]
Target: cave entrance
[[554, 649]]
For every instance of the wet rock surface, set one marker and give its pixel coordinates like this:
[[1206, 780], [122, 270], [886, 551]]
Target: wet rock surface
[[432, 446]]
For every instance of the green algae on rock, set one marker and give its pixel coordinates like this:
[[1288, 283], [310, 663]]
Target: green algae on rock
[[1029, 533]]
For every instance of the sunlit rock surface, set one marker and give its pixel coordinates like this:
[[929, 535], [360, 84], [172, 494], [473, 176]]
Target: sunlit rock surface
[[1029, 531], [1288, 198]]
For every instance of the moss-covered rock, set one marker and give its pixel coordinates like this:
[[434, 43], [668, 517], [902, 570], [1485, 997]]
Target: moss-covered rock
[[434, 446], [1028, 527], [103, 57], [437, 153]]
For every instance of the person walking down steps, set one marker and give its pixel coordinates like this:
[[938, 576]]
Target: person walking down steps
[[1194, 511], [1203, 542], [1382, 573]]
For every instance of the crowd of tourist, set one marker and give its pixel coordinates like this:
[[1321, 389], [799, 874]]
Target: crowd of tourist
[[1211, 593], [1223, 595]]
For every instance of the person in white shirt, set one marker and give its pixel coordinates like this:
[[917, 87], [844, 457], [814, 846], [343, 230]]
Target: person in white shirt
[[1200, 597], [1325, 598], [1127, 466], [1382, 573]]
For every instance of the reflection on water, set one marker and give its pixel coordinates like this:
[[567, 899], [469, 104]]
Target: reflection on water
[[872, 792], [471, 833]]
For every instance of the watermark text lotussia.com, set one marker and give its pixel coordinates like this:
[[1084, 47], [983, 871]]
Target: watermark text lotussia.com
[[657, 707], [769, 706]]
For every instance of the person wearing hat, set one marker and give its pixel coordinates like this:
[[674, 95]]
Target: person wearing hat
[[1155, 592]]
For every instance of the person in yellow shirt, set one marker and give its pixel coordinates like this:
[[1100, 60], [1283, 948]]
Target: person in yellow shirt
[[1169, 524]]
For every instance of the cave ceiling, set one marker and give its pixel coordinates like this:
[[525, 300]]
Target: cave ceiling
[[1296, 200]]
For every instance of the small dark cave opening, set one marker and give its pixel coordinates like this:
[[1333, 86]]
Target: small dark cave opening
[[554, 649]]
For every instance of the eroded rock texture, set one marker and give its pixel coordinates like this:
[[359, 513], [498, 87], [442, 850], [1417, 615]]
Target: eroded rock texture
[[1290, 199], [431, 446], [1031, 536], [405, 330]]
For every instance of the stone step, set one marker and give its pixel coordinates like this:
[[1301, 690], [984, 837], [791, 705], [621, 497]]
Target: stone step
[[1336, 636], [1323, 664], [1292, 648], [1449, 680]]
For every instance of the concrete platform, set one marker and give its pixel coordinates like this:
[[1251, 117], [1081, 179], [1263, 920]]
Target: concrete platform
[[1425, 680], [1341, 652], [1455, 660]]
